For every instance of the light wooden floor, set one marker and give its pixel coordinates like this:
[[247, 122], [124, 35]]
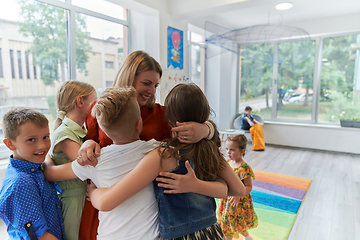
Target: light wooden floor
[[331, 210]]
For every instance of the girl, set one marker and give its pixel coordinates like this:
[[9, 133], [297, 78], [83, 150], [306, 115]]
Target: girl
[[186, 215], [236, 215], [73, 101]]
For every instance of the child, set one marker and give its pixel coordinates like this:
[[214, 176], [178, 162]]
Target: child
[[236, 215], [73, 101], [29, 205], [247, 120], [186, 215], [118, 115]]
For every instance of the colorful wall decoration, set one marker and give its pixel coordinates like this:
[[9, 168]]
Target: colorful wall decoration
[[175, 44]]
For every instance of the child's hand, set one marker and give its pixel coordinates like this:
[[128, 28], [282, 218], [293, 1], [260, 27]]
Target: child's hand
[[235, 201], [178, 183], [90, 188], [88, 152]]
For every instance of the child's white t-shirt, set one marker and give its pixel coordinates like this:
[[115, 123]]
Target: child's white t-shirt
[[137, 217]]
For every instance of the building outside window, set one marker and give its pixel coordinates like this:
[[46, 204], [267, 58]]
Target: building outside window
[[37, 68], [109, 64]]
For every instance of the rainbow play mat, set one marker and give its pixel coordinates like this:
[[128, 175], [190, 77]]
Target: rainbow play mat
[[277, 199]]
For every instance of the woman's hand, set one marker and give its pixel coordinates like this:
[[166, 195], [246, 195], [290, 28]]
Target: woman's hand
[[88, 152], [191, 132], [234, 201], [178, 183]]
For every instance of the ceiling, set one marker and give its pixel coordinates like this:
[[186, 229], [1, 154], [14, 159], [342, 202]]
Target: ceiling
[[238, 14]]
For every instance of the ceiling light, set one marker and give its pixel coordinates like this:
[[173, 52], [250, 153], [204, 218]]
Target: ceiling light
[[283, 6]]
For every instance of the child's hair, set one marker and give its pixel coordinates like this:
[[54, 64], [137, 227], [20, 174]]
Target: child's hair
[[67, 96], [117, 111], [247, 108], [240, 140], [184, 103], [134, 64], [15, 118]]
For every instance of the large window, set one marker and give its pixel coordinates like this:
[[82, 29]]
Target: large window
[[340, 85], [44, 44], [300, 96]]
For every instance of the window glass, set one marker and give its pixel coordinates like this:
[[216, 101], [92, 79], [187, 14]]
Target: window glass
[[100, 50], [34, 55], [340, 79], [102, 6], [256, 81], [295, 81], [1, 66], [197, 71]]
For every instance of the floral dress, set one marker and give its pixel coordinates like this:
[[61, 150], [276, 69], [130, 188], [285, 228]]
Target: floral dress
[[237, 220]]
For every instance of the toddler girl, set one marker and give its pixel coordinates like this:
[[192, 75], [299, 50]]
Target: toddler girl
[[236, 215], [73, 101]]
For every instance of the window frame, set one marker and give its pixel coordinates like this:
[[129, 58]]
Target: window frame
[[318, 38]]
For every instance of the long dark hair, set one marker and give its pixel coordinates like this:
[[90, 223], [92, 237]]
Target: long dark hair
[[184, 103]]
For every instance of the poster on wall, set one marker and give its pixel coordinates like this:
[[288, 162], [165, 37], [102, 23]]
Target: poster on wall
[[175, 51]]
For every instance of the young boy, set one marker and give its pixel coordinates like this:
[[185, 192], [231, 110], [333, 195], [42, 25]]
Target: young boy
[[247, 120], [29, 205], [118, 114]]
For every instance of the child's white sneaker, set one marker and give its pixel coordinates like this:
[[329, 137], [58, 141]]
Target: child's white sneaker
[[248, 237]]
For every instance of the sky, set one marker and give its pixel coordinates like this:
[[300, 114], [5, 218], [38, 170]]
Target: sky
[[98, 28]]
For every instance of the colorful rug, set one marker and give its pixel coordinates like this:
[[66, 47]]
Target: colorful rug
[[277, 199]]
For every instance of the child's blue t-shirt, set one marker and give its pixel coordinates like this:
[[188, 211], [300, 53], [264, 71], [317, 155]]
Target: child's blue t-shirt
[[27, 198], [244, 123]]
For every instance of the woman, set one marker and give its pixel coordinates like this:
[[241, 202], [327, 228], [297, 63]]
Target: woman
[[142, 72]]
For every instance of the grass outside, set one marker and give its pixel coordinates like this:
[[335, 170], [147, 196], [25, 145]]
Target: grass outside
[[298, 111]]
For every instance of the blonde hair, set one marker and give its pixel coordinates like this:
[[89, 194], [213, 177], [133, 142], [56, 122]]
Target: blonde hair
[[67, 96], [136, 63], [240, 140], [15, 118], [117, 111]]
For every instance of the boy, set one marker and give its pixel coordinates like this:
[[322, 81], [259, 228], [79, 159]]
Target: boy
[[247, 120], [29, 205], [118, 114]]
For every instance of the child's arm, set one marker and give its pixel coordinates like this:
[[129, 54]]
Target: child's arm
[[106, 199], [58, 173], [249, 121], [235, 185], [47, 236], [61, 172], [248, 185], [178, 183], [235, 201]]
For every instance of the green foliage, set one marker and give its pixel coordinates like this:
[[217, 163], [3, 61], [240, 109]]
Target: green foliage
[[46, 25], [344, 106]]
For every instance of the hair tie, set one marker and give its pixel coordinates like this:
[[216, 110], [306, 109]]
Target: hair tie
[[61, 114]]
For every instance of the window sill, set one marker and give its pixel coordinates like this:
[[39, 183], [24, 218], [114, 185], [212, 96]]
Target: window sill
[[319, 125]]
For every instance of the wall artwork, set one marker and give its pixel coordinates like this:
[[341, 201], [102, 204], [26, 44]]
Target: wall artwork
[[175, 51]]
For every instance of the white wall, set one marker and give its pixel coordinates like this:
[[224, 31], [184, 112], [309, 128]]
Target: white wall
[[316, 137]]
